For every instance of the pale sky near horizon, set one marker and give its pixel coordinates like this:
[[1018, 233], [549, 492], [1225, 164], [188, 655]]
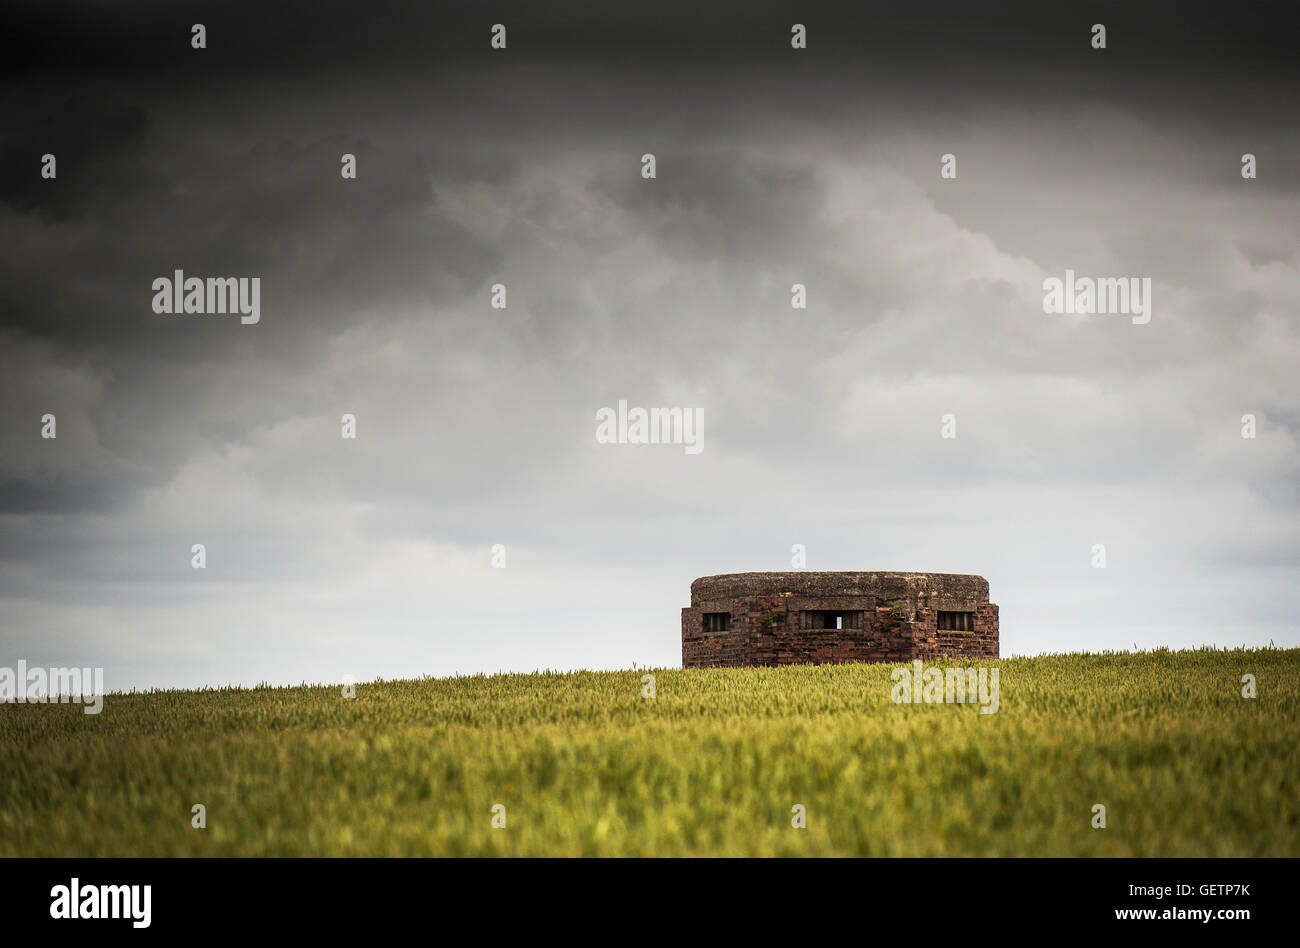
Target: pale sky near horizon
[[372, 557]]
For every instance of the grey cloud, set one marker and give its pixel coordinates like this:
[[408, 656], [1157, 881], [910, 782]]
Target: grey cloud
[[476, 425]]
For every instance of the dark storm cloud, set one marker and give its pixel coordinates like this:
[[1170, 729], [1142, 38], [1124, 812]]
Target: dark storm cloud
[[931, 39], [62, 494], [105, 133], [144, 189], [217, 206]]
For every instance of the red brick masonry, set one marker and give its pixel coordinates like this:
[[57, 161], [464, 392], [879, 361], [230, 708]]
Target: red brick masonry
[[887, 617]]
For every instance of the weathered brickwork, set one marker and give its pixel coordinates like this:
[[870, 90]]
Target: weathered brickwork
[[783, 618]]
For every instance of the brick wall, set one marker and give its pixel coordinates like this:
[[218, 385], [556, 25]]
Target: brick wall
[[766, 630]]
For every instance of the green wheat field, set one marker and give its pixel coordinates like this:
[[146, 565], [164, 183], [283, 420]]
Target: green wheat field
[[712, 765]]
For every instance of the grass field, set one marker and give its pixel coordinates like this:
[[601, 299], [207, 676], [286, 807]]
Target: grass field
[[712, 765]]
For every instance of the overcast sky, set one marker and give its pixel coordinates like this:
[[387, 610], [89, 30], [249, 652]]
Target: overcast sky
[[476, 426]]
